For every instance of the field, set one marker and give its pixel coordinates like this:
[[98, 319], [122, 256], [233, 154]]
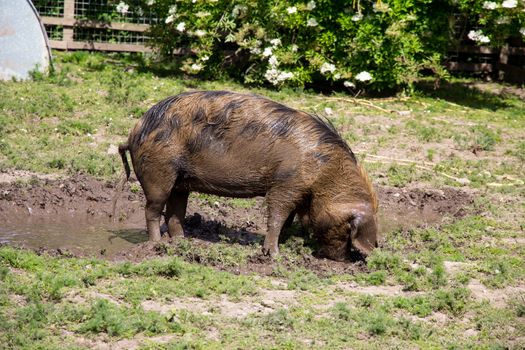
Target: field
[[448, 166]]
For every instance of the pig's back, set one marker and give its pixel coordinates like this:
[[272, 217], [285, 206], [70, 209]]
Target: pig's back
[[236, 144]]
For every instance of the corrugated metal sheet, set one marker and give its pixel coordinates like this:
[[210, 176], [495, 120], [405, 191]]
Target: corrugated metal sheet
[[23, 40]]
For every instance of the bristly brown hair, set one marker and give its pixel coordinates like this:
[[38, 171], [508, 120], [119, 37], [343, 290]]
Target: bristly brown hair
[[370, 187]]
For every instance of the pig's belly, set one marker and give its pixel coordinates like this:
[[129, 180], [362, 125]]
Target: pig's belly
[[247, 170], [228, 179]]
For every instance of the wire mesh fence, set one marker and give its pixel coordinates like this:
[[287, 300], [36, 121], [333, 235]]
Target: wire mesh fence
[[114, 36], [53, 8], [72, 24], [55, 32], [112, 11]]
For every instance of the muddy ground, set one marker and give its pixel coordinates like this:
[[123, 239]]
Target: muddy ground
[[73, 216]]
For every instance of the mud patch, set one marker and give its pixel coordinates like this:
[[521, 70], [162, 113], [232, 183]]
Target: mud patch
[[404, 208], [68, 217], [73, 217]]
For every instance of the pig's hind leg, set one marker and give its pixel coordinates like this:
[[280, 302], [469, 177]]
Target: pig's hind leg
[[175, 212], [157, 191], [154, 206]]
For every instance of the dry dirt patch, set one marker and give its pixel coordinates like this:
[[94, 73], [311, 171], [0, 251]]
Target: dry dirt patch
[[106, 343], [266, 302], [496, 297], [391, 291]]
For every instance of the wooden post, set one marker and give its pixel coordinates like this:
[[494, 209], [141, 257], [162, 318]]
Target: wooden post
[[503, 60], [69, 13]]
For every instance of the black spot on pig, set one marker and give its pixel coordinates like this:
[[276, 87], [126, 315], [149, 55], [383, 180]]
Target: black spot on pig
[[252, 129], [199, 117], [328, 134], [154, 118], [210, 95], [282, 126], [322, 158]]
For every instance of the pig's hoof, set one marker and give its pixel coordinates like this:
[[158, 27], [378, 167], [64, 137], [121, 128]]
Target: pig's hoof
[[270, 251]]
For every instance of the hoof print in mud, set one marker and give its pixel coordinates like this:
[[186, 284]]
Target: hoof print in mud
[[240, 145]]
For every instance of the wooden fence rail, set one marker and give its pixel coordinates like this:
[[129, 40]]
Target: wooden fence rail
[[499, 64]]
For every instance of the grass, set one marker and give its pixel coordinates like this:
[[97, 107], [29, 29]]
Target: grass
[[65, 123], [111, 305]]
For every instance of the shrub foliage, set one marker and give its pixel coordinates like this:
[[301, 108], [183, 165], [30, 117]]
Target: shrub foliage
[[376, 44]]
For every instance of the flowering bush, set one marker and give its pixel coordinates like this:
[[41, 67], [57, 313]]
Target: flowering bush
[[496, 20], [353, 44]]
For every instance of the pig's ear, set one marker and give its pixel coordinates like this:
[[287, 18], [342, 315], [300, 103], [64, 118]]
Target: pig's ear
[[363, 232]]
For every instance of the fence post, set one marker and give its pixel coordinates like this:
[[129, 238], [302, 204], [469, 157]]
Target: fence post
[[503, 60], [69, 13]]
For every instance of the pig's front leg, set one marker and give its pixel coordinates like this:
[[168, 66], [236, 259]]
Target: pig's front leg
[[278, 213]]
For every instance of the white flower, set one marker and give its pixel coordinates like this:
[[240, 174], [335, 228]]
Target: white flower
[[490, 5], [169, 19], [273, 61], [150, 2], [291, 10], [238, 9], [205, 58], [294, 48], [380, 7], [122, 8], [255, 50], [337, 76], [275, 76], [484, 39], [172, 10], [357, 17], [267, 52], [200, 33], [196, 67], [522, 31], [310, 6], [275, 42], [478, 36], [285, 76], [349, 84], [181, 27], [509, 4], [363, 76], [312, 22], [202, 14], [503, 20], [271, 75], [327, 67]]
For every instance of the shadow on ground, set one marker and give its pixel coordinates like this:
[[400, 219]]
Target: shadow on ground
[[464, 94]]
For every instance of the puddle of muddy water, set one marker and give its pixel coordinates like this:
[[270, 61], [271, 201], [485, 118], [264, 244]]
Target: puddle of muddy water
[[78, 236], [83, 236]]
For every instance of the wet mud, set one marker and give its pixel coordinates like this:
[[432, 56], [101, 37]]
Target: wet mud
[[73, 217]]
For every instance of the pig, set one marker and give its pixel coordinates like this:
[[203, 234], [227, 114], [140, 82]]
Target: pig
[[244, 145]]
